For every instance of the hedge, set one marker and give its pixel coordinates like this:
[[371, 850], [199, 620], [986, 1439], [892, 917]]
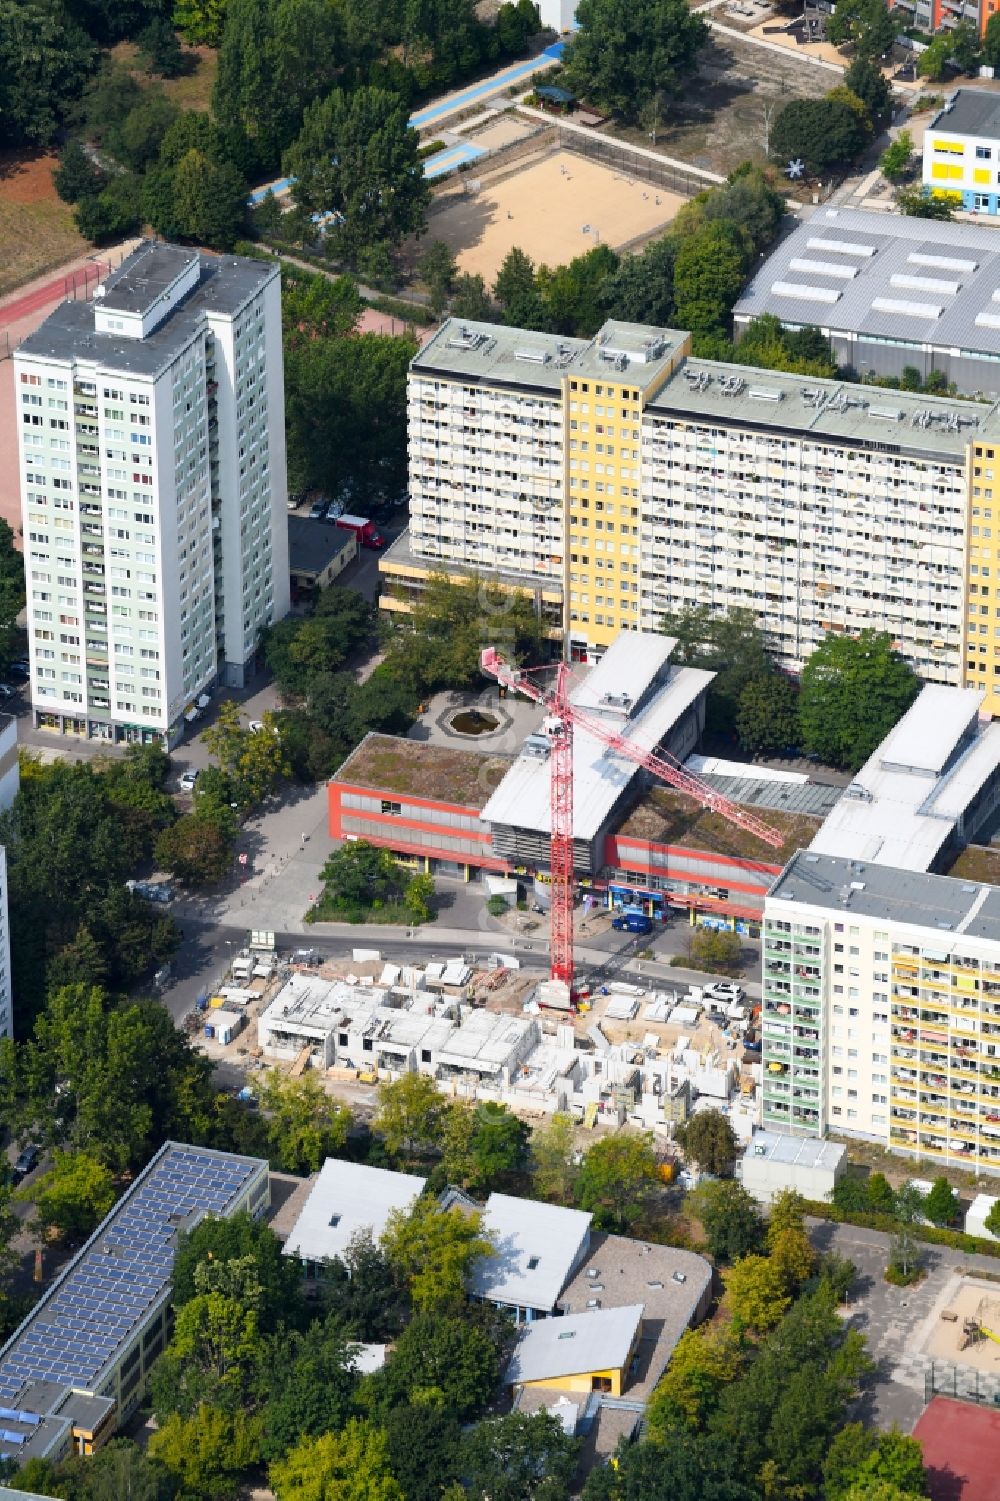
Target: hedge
[[931, 1234]]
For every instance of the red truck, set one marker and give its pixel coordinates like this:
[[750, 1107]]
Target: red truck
[[364, 530]]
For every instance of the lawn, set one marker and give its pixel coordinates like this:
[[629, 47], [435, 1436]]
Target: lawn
[[37, 233], [193, 90]]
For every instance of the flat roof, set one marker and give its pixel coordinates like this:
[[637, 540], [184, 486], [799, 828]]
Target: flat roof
[[313, 545], [664, 816], [68, 334], [417, 768], [977, 862], [902, 807], [602, 776], [404, 555], [92, 1311], [600, 1340], [536, 1247], [310, 1000], [969, 112], [347, 1199], [930, 427], [953, 909], [918, 281], [672, 1285], [795, 1151], [144, 275], [484, 1041], [495, 355]]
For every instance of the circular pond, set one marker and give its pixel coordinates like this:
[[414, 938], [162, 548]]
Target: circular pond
[[474, 722]]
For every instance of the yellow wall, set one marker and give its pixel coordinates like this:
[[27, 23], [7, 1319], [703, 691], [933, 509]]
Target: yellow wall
[[584, 1382], [945, 169], [981, 652]]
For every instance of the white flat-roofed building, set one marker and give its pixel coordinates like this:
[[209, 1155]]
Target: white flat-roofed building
[[348, 1199], [880, 1011], [773, 1162], [928, 789], [962, 151], [488, 1045], [976, 1216], [635, 690], [538, 1248], [153, 489]]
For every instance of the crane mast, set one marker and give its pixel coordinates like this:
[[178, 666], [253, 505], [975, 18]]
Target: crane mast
[[562, 716]]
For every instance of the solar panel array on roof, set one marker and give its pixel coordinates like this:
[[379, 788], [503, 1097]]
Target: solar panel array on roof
[[107, 1292]]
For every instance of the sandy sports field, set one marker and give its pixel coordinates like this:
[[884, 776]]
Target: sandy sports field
[[543, 210]]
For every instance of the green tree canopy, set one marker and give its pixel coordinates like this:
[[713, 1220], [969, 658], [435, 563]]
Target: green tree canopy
[[866, 80], [710, 1140], [767, 716], [704, 1362], [730, 1219], [519, 1457], [553, 1153], [356, 156], [365, 1292], [941, 1205], [853, 690], [709, 271], [207, 1453], [241, 1239], [625, 52], [449, 1361], [616, 1178], [823, 133], [442, 640], [410, 1114], [305, 1125], [866, 25], [312, 1385], [435, 1250], [74, 1195], [352, 1465], [897, 157], [45, 58]]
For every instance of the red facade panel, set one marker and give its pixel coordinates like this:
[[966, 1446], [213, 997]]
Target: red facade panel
[[401, 833]]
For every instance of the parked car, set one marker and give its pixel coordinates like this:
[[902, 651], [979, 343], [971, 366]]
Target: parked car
[[317, 510], [20, 669], [723, 991], [25, 1162], [6, 691], [334, 510], [188, 780]]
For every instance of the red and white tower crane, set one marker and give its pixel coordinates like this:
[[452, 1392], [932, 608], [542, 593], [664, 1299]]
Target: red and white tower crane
[[562, 716]]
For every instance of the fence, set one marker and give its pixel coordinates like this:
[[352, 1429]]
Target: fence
[[963, 1382], [671, 176]]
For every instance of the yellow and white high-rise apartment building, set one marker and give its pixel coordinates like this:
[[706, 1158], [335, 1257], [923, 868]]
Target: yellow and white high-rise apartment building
[[619, 478]]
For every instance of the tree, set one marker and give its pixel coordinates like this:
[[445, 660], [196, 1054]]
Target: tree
[[118, 1470], [641, 290], [254, 762], [446, 1361], [438, 268], [992, 1220], [865, 24], [136, 139], [861, 1459], [352, 1465], [45, 58], [787, 1212], [991, 41], [244, 1241], [767, 714], [709, 271], [435, 1249], [853, 690], [159, 47], [365, 1293], [553, 1165], [470, 299], [516, 291], [410, 1113], [440, 642], [966, 47], [704, 1362], [418, 894], [519, 1457], [305, 1125], [197, 849], [498, 1146], [866, 80], [731, 645], [312, 1385], [616, 1178], [111, 213], [823, 133], [793, 1256], [423, 1443], [74, 1195], [755, 1289], [299, 651], [573, 295], [209, 201], [729, 1217], [880, 1196], [207, 1452], [933, 61], [625, 52], [714, 949], [76, 176], [358, 877], [357, 157], [200, 22], [894, 163], [709, 1140], [921, 203], [215, 1353], [941, 1205]]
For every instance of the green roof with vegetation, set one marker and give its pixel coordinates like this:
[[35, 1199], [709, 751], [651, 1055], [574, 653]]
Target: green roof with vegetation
[[668, 817], [416, 768]]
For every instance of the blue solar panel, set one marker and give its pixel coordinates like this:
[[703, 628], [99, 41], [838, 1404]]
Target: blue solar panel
[[122, 1272]]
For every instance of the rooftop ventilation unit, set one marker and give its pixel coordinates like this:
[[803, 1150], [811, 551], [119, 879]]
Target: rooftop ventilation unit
[[731, 385], [885, 414], [764, 393], [532, 356], [468, 338]]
